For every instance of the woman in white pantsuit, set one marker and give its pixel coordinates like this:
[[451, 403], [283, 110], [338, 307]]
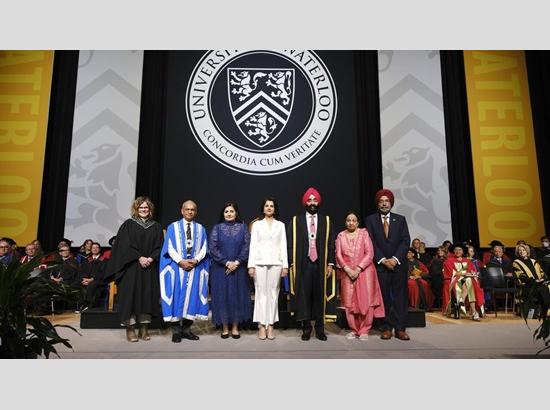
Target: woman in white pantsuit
[[267, 263]]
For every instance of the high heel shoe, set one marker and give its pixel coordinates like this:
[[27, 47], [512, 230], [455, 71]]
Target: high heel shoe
[[261, 333], [270, 334]]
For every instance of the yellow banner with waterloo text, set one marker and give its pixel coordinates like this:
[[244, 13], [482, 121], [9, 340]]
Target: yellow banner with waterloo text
[[25, 84], [504, 155]]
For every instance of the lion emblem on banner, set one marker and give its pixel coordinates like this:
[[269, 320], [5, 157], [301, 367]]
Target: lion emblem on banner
[[263, 125]]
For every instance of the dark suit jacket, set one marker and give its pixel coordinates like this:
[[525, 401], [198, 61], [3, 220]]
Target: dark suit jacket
[[92, 269], [396, 244]]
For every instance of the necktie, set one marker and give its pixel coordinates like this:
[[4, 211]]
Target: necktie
[[386, 225], [188, 238], [312, 245]]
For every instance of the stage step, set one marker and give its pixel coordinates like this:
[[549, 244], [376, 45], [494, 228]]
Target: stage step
[[99, 318]]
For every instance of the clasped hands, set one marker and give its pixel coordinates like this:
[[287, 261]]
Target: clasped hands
[[389, 263], [231, 266], [145, 261], [188, 264], [352, 273]]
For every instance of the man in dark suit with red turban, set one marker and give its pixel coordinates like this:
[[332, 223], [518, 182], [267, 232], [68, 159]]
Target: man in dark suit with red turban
[[311, 260], [390, 236]]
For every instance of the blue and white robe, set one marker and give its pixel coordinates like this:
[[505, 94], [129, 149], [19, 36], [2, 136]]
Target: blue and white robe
[[184, 294]]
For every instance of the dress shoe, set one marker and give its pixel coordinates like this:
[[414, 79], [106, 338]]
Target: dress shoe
[[144, 333], [189, 335], [402, 335], [235, 335], [306, 336], [270, 333], [176, 338], [321, 336], [225, 335], [131, 334], [386, 335]]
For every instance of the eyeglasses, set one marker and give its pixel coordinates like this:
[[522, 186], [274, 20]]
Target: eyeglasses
[[63, 250], [4, 247]]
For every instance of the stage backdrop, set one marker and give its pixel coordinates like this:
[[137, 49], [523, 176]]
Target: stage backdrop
[[25, 83], [102, 176], [414, 153], [244, 125]]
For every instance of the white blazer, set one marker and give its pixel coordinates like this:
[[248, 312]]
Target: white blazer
[[268, 245]]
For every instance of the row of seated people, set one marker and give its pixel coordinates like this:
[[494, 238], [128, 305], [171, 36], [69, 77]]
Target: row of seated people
[[84, 269], [431, 280], [455, 277]]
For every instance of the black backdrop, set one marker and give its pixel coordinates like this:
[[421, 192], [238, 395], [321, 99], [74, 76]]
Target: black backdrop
[[361, 68], [189, 172]]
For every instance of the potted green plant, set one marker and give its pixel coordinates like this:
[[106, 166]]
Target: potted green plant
[[22, 334], [531, 307]]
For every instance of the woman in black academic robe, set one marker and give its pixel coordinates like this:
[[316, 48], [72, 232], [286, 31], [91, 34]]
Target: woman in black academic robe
[[134, 264]]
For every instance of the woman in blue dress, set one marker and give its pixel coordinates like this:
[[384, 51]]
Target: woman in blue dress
[[230, 294]]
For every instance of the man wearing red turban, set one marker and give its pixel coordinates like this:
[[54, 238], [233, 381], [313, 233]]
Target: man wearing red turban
[[390, 236], [311, 254]]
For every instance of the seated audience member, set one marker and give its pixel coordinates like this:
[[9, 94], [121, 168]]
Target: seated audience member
[[490, 254], [84, 251], [30, 253], [425, 256], [54, 256], [543, 253], [91, 276], [5, 255], [464, 286], [12, 247], [446, 244], [415, 246], [499, 259], [435, 268], [531, 278], [67, 269], [420, 293], [39, 252]]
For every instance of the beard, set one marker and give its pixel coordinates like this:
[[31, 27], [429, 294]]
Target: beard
[[312, 209]]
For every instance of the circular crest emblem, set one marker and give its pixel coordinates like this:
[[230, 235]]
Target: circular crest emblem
[[261, 112]]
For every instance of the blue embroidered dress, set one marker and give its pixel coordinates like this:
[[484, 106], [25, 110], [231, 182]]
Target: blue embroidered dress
[[230, 293]]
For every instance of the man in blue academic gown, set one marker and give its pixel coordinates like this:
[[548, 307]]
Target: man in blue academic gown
[[184, 274]]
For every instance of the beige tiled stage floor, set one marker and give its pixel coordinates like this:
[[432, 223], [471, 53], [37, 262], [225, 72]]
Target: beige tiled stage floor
[[504, 337]]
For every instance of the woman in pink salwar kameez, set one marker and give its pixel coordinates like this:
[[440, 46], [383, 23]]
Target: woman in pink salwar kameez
[[359, 288]]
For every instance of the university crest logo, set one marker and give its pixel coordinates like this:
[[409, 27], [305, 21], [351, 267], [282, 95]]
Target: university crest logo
[[261, 102], [261, 112]]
